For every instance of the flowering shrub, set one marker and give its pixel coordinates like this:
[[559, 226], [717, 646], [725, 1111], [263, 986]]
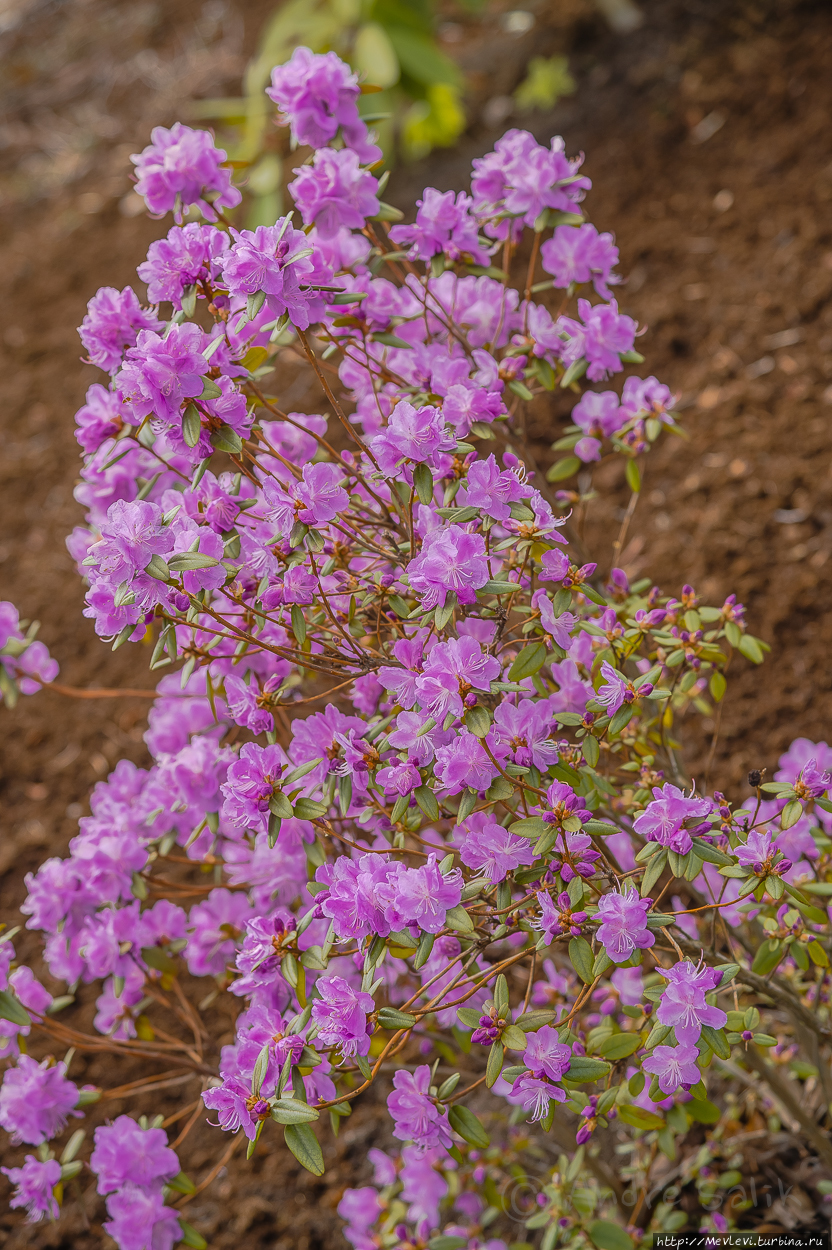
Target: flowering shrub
[[423, 746]]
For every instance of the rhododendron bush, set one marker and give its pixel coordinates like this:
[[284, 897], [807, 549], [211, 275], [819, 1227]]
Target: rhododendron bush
[[416, 807]]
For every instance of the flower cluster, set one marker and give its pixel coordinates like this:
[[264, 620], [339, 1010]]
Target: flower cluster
[[408, 799]]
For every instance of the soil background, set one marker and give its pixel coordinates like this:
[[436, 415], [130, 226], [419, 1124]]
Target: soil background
[[708, 140]]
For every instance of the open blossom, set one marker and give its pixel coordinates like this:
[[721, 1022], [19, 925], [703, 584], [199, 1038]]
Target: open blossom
[[490, 848], [341, 1015], [416, 1116], [675, 1066], [615, 690], [443, 224], [36, 1100], [252, 780], [558, 918], [314, 500], [34, 1183], [160, 374], [275, 260], [670, 816], [647, 397], [186, 257], [521, 178], [182, 167], [491, 489], [451, 561], [756, 851], [112, 324], [421, 895], [464, 762], [523, 731], [334, 192], [683, 1004], [139, 1220], [580, 254], [412, 435], [545, 1055], [317, 97], [451, 670], [623, 927], [98, 418], [534, 1094], [354, 901], [124, 1151]]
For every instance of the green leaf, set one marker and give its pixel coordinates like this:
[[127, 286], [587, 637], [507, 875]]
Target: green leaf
[[705, 851], [582, 1070], [478, 720], [751, 649], [309, 809], [426, 799], [768, 957], [609, 1236], [717, 686], [622, 718], [457, 918], [305, 1147], [156, 958], [602, 962], [520, 389], [254, 303], [420, 58], [530, 660], [639, 1117], [190, 1237], [717, 1041], [591, 750], [469, 1016], [191, 425], [703, 1111], [390, 1018], [210, 390], [633, 476], [619, 1046], [600, 827], [188, 561], [494, 1065], [423, 483], [226, 439], [563, 469], [12, 1009], [791, 814], [653, 871], [533, 827], [531, 1021], [495, 587], [293, 1111], [514, 1038], [468, 1126], [298, 623], [580, 952]]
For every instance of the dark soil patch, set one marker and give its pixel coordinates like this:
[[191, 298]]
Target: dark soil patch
[[745, 506]]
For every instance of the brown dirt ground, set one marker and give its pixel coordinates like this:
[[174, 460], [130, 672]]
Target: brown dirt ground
[[745, 506]]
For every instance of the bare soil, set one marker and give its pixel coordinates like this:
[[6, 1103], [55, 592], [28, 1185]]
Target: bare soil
[[737, 301]]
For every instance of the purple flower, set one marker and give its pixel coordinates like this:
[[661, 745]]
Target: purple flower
[[463, 762], [451, 670], [359, 1208], [34, 1183], [580, 254], [491, 490], [647, 397], [36, 1100], [613, 691], [236, 1106], [342, 1016], [416, 1117], [559, 627], [421, 896], [490, 848], [683, 1004], [355, 902], [275, 260], [412, 435], [161, 373], [334, 192], [670, 817], [98, 418], [555, 921], [314, 500], [126, 1152], [402, 681], [451, 561], [545, 1055], [535, 1094], [812, 782], [624, 924], [555, 566], [139, 1220], [185, 258], [113, 321], [522, 733], [603, 336], [598, 413], [443, 224], [674, 1066], [216, 925], [521, 178], [182, 167], [756, 852], [423, 1185], [317, 96], [252, 781]]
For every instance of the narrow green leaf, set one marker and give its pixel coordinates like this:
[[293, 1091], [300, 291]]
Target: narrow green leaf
[[468, 1126], [305, 1147]]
